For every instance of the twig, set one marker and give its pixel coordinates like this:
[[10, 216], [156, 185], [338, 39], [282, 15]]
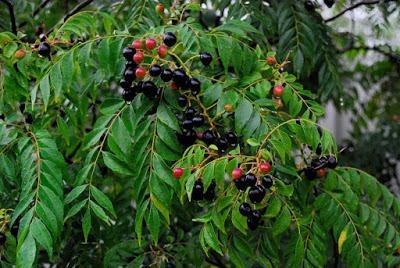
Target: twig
[[12, 15], [42, 5], [73, 11], [391, 55], [362, 3]]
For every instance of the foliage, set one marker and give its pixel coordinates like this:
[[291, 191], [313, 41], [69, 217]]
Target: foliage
[[90, 180]]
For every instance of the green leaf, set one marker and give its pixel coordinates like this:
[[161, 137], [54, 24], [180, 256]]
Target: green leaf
[[75, 193], [116, 165], [139, 220], [99, 212], [153, 223], [86, 224], [167, 117], [282, 222], [75, 209], [27, 252], [273, 208], [210, 237], [238, 220], [242, 114], [42, 235], [45, 90], [103, 200]]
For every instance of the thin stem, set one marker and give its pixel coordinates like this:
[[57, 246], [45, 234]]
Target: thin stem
[[12, 15]]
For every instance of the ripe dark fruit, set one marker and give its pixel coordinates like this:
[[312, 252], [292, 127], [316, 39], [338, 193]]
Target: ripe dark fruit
[[182, 102], [205, 58], [208, 137], [169, 39], [150, 43], [316, 163], [179, 77], [241, 183], [128, 53], [329, 3], [267, 181], [245, 209], [222, 144], [210, 193], [231, 137], [187, 124], [166, 75], [190, 112], [138, 87], [3, 238], [178, 172], [29, 118], [149, 89], [124, 84], [197, 193], [256, 194], [129, 74], [155, 70], [128, 95], [131, 64], [256, 215], [332, 162], [310, 173], [251, 179], [198, 120], [194, 85], [309, 5], [187, 138], [44, 49], [252, 224]]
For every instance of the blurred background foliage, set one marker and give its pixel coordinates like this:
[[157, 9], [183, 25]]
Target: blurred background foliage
[[345, 51]]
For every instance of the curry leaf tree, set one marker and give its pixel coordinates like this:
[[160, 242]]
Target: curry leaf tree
[[219, 159]]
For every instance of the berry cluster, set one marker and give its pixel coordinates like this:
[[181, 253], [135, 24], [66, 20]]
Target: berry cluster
[[256, 192], [198, 191], [318, 166]]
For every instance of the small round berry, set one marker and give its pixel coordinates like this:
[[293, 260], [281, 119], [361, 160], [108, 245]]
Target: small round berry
[[130, 64], [267, 181], [236, 173], [310, 173], [241, 183], [162, 51], [264, 167], [177, 173], [137, 44], [222, 144], [44, 49], [187, 124], [190, 112], [140, 72], [332, 162], [128, 95], [19, 54], [179, 77], [228, 108], [208, 137], [321, 172], [205, 58], [251, 179], [149, 89], [187, 138], [173, 86], [194, 85], [166, 75], [42, 37], [245, 209], [155, 70], [160, 8], [256, 215], [231, 137], [182, 101], [198, 120], [3, 238], [278, 90], [169, 39], [197, 193], [125, 84], [129, 74], [271, 60], [128, 53], [151, 43], [256, 194], [138, 87], [210, 193], [138, 57], [200, 135]]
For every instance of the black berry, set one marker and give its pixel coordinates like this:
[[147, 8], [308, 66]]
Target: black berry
[[149, 89], [208, 137], [131, 64], [169, 39], [29, 118], [166, 75], [332, 162], [194, 85], [256, 215], [316, 163], [231, 137], [42, 37], [44, 49], [138, 87], [267, 181], [241, 183], [256, 194], [190, 112], [251, 179], [3, 238], [245, 209], [251, 223], [128, 53], [125, 84], [197, 193], [198, 120], [182, 101], [129, 74], [179, 77], [310, 173], [128, 95], [187, 124], [222, 144], [155, 70], [187, 138], [205, 58], [210, 193]]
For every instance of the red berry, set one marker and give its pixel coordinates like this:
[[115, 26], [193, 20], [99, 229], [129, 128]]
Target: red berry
[[173, 86], [160, 8], [278, 90], [151, 43], [236, 173], [228, 108], [19, 54], [200, 135], [271, 60], [137, 44], [321, 172], [140, 72], [178, 172], [264, 168], [162, 51], [138, 57]]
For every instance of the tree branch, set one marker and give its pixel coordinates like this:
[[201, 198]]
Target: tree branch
[[12, 15], [362, 3], [390, 54]]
